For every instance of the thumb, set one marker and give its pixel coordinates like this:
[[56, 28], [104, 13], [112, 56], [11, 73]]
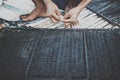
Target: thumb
[[66, 16]]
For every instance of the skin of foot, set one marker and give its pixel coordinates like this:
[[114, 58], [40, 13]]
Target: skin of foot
[[39, 11]]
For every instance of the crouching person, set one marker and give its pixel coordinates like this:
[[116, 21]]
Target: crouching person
[[51, 8]]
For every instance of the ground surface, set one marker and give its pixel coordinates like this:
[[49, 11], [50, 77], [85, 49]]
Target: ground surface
[[59, 54]]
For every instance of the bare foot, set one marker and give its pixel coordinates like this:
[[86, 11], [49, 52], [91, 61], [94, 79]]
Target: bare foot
[[1, 26], [37, 12]]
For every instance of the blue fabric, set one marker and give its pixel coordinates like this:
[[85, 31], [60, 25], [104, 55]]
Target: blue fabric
[[61, 3]]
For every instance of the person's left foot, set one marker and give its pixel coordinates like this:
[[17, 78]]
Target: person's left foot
[[1, 26]]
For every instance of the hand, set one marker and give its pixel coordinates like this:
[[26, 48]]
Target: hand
[[70, 18], [52, 11]]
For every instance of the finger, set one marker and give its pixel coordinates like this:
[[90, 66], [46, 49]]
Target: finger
[[71, 25], [66, 24], [77, 22], [61, 17], [58, 12], [67, 16], [55, 16], [77, 25], [67, 27], [68, 20], [52, 19]]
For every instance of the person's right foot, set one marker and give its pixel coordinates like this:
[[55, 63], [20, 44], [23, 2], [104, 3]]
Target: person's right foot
[[37, 12], [1, 26]]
